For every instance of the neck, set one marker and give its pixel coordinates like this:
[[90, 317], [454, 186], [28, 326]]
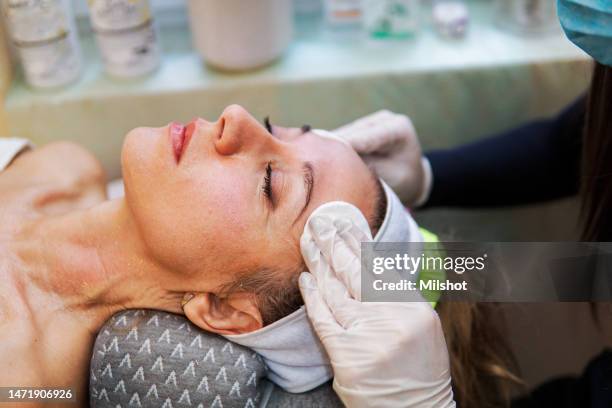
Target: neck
[[93, 262]]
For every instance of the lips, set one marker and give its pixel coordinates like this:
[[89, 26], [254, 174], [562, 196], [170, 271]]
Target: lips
[[180, 136], [177, 138]]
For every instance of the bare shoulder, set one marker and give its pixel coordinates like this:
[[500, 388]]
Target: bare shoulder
[[52, 179], [64, 162]]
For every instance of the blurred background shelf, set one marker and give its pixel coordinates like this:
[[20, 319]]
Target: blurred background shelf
[[454, 90]]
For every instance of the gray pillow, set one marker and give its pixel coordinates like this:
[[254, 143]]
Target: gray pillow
[[145, 358]]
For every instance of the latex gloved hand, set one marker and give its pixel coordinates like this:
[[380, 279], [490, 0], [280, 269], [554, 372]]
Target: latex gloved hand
[[382, 354], [388, 142]]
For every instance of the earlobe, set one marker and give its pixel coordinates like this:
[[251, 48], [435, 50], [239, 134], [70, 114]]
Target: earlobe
[[235, 314]]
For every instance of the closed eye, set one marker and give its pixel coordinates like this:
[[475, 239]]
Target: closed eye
[[267, 186]]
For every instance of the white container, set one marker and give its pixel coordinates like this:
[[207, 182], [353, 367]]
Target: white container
[[126, 36], [50, 64], [130, 53], [238, 35], [44, 36], [33, 21], [451, 18], [109, 15]]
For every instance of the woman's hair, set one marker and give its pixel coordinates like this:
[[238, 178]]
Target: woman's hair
[[482, 365], [596, 179]]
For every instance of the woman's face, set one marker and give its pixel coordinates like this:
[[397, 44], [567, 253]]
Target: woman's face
[[235, 197]]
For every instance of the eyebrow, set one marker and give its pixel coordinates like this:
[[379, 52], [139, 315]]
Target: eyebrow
[[308, 172]]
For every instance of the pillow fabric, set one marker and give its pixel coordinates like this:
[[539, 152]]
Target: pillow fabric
[[155, 359], [144, 358]]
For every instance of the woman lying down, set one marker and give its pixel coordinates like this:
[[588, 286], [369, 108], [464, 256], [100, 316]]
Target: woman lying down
[[214, 212]]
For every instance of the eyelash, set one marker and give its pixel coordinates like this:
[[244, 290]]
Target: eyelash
[[267, 186], [268, 125]]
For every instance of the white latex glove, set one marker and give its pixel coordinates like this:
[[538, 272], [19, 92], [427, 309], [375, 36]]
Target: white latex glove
[[388, 142], [382, 354]]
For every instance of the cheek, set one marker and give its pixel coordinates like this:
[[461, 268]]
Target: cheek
[[221, 196], [218, 220], [199, 219]]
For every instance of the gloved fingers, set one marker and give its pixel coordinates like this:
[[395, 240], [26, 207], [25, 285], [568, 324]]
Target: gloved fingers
[[352, 235], [387, 170], [398, 133], [381, 133], [346, 259], [373, 140], [318, 312], [332, 289], [365, 134], [323, 234], [327, 232], [339, 242], [349, 313], [338, 294], [332, 307], [369, 120], [365, 122]]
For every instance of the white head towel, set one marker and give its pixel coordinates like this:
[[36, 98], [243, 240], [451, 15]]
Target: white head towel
[[295, 357]]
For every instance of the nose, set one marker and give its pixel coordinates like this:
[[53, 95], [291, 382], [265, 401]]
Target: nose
[[241, 132]]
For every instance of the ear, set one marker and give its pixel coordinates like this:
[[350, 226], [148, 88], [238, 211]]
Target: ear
[[236, 314]]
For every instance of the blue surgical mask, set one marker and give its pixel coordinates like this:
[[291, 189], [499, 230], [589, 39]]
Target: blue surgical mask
[[588, 24]]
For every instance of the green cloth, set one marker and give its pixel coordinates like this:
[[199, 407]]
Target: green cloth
[[432, 296]]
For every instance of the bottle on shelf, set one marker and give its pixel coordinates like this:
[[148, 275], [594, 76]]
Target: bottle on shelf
[[44, 36], [239, 35], [126, 36], [451, 18]]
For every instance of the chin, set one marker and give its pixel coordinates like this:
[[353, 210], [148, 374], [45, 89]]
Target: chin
[[141, 160]]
